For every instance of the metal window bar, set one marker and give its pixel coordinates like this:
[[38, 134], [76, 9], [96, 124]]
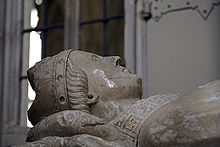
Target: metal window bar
[[43, 28], [105, 20]]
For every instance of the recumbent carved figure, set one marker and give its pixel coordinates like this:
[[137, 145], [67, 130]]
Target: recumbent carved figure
[[83, 99]]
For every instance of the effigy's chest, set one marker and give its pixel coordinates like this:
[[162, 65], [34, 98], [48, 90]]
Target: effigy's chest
[[130, 121]]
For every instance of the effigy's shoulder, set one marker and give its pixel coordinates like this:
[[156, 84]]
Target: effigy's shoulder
[[192, 120]]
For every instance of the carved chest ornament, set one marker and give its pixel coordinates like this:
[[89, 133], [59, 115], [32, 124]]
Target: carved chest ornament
[[131, 121], [157, 8]]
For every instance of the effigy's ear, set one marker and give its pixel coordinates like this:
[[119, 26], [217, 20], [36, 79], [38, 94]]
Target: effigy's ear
[[115, 60], [92, 98]]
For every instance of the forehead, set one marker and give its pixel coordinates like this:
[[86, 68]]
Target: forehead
[[83, 54], [86, 56]]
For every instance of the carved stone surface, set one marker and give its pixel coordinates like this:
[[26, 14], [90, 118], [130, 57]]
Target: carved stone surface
[[101, 107], [130, 121]]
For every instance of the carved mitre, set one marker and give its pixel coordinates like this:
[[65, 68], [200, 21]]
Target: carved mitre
[[59, 85]]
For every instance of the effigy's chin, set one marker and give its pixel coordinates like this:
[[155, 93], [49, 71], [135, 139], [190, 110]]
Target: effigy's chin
[[117, 89], [192, 120]]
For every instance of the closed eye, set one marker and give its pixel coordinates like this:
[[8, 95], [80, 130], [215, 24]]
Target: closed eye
[[95, 58], [126, 70], [117, 61]]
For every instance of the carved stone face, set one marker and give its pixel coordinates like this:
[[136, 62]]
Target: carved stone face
[[107, 78]]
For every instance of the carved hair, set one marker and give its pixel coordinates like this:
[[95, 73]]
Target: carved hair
[[77, 87]]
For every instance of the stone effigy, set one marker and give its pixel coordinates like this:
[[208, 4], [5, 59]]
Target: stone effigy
[[83, 99]]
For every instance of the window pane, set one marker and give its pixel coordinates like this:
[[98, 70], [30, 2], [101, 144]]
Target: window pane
[[34, 48], [55, 12], [115, 38], [55, 15], [28, 122], [91, 9], [115, 7], [54, 41], [92, 38]]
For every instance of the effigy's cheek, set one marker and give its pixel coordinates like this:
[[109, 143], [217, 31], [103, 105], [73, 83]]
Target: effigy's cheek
[[101, 78]]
